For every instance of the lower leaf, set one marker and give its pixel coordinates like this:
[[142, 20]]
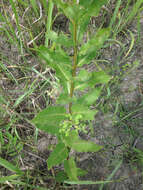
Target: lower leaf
[[71, 169], [59, 154], [79, 145]]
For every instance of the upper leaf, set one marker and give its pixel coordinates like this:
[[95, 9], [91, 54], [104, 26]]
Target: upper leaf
[[60, 62], [48, 120], [53, 57], [90, 97], [81, 80], [64, 98], [92, 6], [87, 9], [99, 77], [95, 42], [83, 76], [87, 79], [84, 111], [59, 154], [61, 39], [71, 10], [89, 50]]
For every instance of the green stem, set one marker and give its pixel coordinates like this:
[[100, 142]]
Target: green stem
[[74, 64]]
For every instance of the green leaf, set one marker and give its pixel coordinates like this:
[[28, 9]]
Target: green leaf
[[59, 61], [10, 166], [87, 9], [83, 24], [85, 146], [64, 98], [48, 120], [54, 56], [61, 176], [59, 154], [81, 85], [79, 145], [71, 10], [90, 97], [81, 172], [83, 75], [61, 39], [62, 71], [95, 42], [84, 111], [99, 77], [94, 78], [92, 6], [71, 169], [89, 50]]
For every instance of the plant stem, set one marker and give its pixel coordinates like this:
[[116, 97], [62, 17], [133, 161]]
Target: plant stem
[[74, 63]]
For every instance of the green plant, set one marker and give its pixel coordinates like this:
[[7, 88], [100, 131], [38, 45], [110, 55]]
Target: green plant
[[67, 118]]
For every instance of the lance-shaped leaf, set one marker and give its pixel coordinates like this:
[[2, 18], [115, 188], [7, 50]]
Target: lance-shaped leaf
[[90, 97], [71, 10], [59, 154], [91, 79], [81, 80], [63, 71], [84, 111], [48, 120], [60, 62], [80, 145], [89, 50], [99, 77], [64, 98], [83, 75], [54, 56], [81, 172], [61, 176], [71, 169], [61, 39], [83, 24], [95, 42], [88, 8], [92, 6]]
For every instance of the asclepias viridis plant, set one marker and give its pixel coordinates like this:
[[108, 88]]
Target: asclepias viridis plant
[[67, 118]]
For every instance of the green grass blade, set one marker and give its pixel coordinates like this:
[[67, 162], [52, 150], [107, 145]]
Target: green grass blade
[[87, 182], [132, 13], [27, 93], [34, 6], [8, 73], [13, 5], [115, 13], [113, 173], [10, 166], [49, 21], [8, 178]]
